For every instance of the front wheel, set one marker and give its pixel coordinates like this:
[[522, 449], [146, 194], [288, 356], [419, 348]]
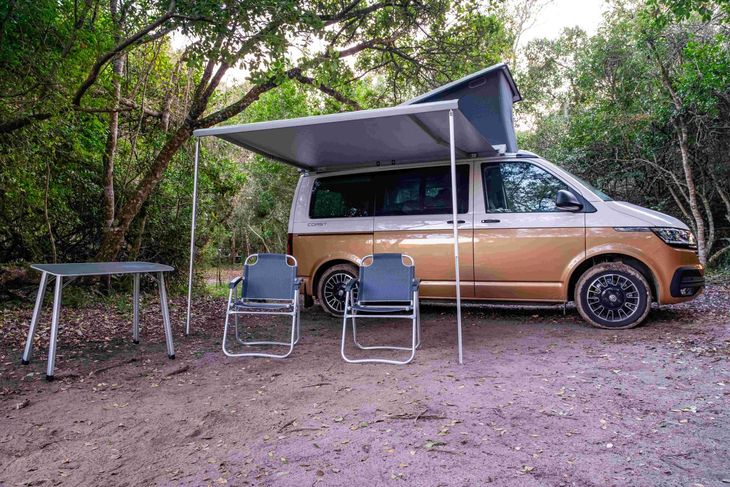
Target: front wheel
[[613, 295], [331, 288]]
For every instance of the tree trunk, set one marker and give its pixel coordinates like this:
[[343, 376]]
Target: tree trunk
[[110, 150], [694, 206], [233, 247], [680, 125], [113, 240], [54, 254], [140, 234], [111, 147]]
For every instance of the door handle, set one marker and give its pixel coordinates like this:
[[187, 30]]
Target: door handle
[[490, 221], [450, 222]]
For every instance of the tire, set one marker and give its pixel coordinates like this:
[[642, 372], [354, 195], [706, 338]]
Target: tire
[[613, 295], [331, 287]]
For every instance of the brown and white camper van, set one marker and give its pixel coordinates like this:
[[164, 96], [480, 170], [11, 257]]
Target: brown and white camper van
[[530, 232]]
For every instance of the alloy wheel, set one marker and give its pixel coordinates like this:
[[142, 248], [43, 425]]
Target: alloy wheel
[[334, 291], [613, 297]]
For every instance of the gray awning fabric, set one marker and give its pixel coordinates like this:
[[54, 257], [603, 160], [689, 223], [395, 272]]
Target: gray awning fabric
[[395, 135], [486, 99]]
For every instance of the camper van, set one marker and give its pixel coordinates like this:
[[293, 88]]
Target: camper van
[[529, 232]]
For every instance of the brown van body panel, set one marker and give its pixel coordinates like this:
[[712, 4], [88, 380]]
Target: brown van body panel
[[526, 264], [661, 259], [312, 251], [433, 255], [511, 264]]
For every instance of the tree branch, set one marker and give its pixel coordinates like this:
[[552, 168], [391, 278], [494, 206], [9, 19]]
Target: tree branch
[[348, 13], [253, 94], [107, 56], [327, 90]]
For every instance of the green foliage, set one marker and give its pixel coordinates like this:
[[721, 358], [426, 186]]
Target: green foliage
[[599, 106]]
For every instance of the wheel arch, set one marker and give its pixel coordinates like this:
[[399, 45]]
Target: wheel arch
[[322, 268], [629, 260]]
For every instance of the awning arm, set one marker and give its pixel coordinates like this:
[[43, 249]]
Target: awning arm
[[192, 235], [455, 223]]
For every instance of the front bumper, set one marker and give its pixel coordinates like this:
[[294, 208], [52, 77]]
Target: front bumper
[[686, 282]]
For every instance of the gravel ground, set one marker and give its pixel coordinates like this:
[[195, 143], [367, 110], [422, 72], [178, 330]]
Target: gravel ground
[[542, 400]]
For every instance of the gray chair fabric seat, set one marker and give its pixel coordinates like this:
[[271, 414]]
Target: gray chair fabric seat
[[386, 288], [261, 305], [268, 286], [374, 308]]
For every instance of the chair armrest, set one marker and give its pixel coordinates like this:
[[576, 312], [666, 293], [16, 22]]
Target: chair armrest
[[351, 283], [415, 284], [235, 282], [298, 283]]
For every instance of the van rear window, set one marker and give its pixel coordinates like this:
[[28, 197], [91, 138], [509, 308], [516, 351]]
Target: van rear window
[[421, 191], [342, 197]]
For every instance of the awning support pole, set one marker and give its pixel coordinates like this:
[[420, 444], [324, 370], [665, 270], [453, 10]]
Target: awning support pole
[[455, 222], [192, 235]]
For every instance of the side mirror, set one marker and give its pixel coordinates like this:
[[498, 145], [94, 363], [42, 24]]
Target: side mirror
[[566, 201]]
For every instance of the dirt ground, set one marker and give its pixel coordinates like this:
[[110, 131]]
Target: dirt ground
[[541, 400]]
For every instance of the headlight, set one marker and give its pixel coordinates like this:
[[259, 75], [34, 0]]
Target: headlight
[[676, 237]]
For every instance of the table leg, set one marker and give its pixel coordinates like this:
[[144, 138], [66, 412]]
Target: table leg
[[135, 307], [54, 327], [165, 315], [25, 360]]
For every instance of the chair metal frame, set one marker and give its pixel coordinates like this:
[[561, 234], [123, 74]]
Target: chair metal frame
[[234, 309], [349, 313]]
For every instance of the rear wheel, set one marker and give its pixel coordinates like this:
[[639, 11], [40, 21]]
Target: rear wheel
[[613, 295], [331, 288]]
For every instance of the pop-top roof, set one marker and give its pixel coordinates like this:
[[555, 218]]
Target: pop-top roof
[[486, 99]]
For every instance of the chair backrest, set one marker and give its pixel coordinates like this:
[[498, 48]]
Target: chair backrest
[[269, 277], [387, 278]]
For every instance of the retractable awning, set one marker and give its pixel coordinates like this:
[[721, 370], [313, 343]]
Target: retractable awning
[[394, 135]]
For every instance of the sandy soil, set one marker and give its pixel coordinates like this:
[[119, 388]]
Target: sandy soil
[[542, 400]]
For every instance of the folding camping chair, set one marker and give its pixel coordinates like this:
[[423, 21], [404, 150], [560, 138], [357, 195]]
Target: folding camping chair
[[383, 288], [269, 286]]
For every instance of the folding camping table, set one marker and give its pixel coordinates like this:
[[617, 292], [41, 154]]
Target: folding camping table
[[73, 271]]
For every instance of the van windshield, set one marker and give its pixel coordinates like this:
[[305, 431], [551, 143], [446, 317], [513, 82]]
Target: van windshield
[[593, 189]]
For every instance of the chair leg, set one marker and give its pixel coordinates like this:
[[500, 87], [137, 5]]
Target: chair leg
[[299, 324], [296, 331], [344, 329], [418, 319], [414, 332], [225, 326], [293, 340], [372, 347]]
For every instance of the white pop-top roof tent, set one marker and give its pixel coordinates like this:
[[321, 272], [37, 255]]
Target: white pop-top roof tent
[[471, 117]]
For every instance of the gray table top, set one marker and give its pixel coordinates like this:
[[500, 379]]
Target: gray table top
[[101, 268]]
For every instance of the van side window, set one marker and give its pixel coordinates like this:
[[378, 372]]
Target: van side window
[[423, 191], [342, 197], [519, 187]]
